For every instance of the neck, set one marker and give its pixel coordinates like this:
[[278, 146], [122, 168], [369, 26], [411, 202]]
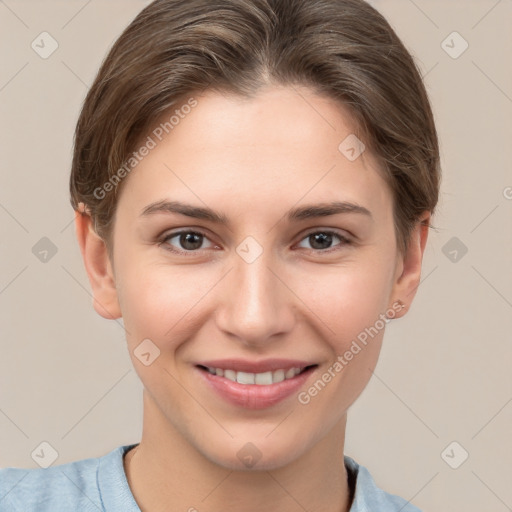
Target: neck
[[165, 472]]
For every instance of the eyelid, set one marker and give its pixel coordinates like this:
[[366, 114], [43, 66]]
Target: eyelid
[[332, 231]]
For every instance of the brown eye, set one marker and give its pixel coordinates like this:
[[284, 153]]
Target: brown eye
[[187, 241], [323, 240]]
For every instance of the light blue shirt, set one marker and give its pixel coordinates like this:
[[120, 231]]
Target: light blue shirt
[[100, 485]]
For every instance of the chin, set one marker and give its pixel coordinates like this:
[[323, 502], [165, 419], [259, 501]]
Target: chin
[[258, 455]]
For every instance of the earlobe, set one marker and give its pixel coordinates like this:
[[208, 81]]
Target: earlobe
[[408, 277], [98, 266]]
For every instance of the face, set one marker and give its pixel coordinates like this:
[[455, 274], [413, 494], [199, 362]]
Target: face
[[249, 247]]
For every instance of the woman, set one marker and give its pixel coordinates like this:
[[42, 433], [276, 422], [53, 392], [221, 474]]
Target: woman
[[254, 182]]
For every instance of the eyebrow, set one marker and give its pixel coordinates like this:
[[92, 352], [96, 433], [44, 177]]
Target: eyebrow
[[295, 214]]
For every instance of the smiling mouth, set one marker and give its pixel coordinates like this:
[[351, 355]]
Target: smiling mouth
[[260, 379]]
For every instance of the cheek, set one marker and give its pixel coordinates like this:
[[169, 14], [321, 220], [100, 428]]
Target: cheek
[[162, 304], [349, 305], [346, 299], [349, 302], [159, 301]]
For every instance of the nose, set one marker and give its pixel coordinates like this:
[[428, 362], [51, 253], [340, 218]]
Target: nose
[[256, 306]]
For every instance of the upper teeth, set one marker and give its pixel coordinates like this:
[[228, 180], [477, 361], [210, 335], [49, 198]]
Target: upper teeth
[[262, 379]]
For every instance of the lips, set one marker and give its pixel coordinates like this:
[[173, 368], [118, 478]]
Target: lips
[[255, 385]]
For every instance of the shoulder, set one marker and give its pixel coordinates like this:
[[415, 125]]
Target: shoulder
[[71, 486], [62, 487], [368, 497]]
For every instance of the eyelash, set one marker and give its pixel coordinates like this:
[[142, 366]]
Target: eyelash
[[344, 241]]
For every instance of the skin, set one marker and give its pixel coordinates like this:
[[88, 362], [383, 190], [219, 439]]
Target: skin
[[251, 160]]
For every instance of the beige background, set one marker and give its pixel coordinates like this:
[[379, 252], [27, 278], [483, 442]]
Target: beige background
[[444, 373]]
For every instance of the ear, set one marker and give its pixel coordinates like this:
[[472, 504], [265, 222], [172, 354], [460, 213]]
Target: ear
[[408, 274], [98, 266]]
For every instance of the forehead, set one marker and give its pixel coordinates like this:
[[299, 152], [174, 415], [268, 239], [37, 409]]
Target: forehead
[[284, 144]]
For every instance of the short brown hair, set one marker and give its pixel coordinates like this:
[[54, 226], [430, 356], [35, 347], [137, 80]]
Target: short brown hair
[[343, 49]]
